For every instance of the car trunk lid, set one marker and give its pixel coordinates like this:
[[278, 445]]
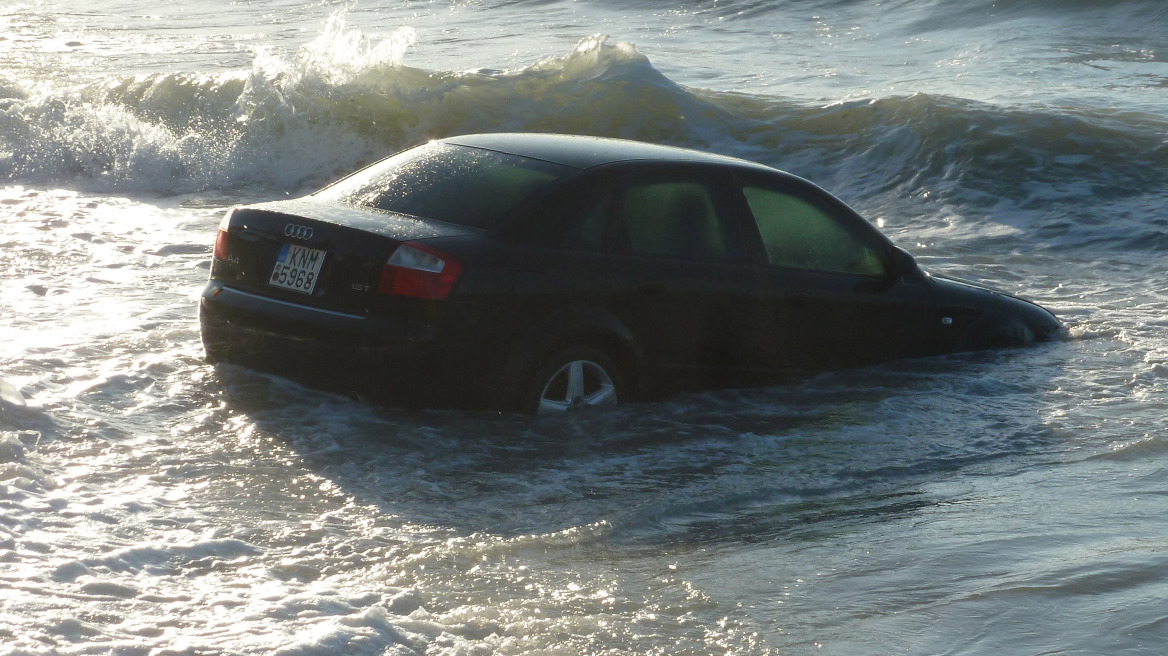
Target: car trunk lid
[[315, 253]]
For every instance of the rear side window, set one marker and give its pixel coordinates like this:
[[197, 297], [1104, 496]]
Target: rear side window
[[672, 219], [802, 235], [454, 184]]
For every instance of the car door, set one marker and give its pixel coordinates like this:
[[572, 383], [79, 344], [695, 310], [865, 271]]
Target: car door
[[839, 299], [695, 303]]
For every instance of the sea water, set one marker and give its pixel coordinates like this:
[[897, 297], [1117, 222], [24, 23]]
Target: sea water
[[1009, 502]]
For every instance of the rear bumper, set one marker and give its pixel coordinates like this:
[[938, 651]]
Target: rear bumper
[[394, 359]]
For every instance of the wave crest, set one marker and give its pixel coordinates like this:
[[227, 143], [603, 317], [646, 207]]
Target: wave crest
[[342, 100], [289, 124]]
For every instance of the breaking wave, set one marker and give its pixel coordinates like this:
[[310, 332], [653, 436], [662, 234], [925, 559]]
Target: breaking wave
[[292, 123]]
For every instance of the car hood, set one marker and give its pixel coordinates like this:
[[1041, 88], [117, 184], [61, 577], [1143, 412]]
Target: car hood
[[969, 284], [389, 224]]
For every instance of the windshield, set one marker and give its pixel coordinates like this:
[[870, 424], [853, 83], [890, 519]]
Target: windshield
[[455, 184]]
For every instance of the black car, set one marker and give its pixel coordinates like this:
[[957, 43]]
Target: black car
[[546, 272]]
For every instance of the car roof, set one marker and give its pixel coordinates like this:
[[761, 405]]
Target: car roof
[[585, 152]]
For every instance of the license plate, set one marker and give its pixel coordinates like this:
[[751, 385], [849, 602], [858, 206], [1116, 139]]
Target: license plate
[[297, 268]]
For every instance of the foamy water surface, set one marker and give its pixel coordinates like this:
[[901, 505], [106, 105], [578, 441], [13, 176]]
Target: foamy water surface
[[1002, 502]]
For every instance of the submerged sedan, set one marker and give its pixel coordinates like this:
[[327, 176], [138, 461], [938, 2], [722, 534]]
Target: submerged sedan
[[547, 272]]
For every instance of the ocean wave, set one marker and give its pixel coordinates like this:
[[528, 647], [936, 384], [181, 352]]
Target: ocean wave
[[961, 14], [978, 151], [340, 102], [290, 124]]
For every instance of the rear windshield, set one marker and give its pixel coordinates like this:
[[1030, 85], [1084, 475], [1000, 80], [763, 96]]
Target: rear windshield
[[455, 184]]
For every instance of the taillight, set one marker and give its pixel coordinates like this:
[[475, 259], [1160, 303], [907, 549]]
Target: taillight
[[220, 252], [420, 272]]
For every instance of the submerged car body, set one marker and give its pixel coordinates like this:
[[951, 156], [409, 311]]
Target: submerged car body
[[546, 272]]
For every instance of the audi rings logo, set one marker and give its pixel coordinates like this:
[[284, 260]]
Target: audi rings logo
[[298, 231]]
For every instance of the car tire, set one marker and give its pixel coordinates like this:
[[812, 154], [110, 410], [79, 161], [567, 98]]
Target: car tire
[[574, 378]]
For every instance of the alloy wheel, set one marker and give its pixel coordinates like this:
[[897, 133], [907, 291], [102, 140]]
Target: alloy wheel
[[577, 384]]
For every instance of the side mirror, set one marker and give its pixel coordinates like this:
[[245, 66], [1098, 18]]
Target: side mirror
[[902, 265]]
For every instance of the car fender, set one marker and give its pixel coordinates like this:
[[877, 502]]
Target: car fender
[[576, 325], [981, 317], [995, 330]]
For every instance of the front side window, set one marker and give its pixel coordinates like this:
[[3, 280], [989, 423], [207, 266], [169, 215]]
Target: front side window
[[802, 235], [455, 184], [672, 219]]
